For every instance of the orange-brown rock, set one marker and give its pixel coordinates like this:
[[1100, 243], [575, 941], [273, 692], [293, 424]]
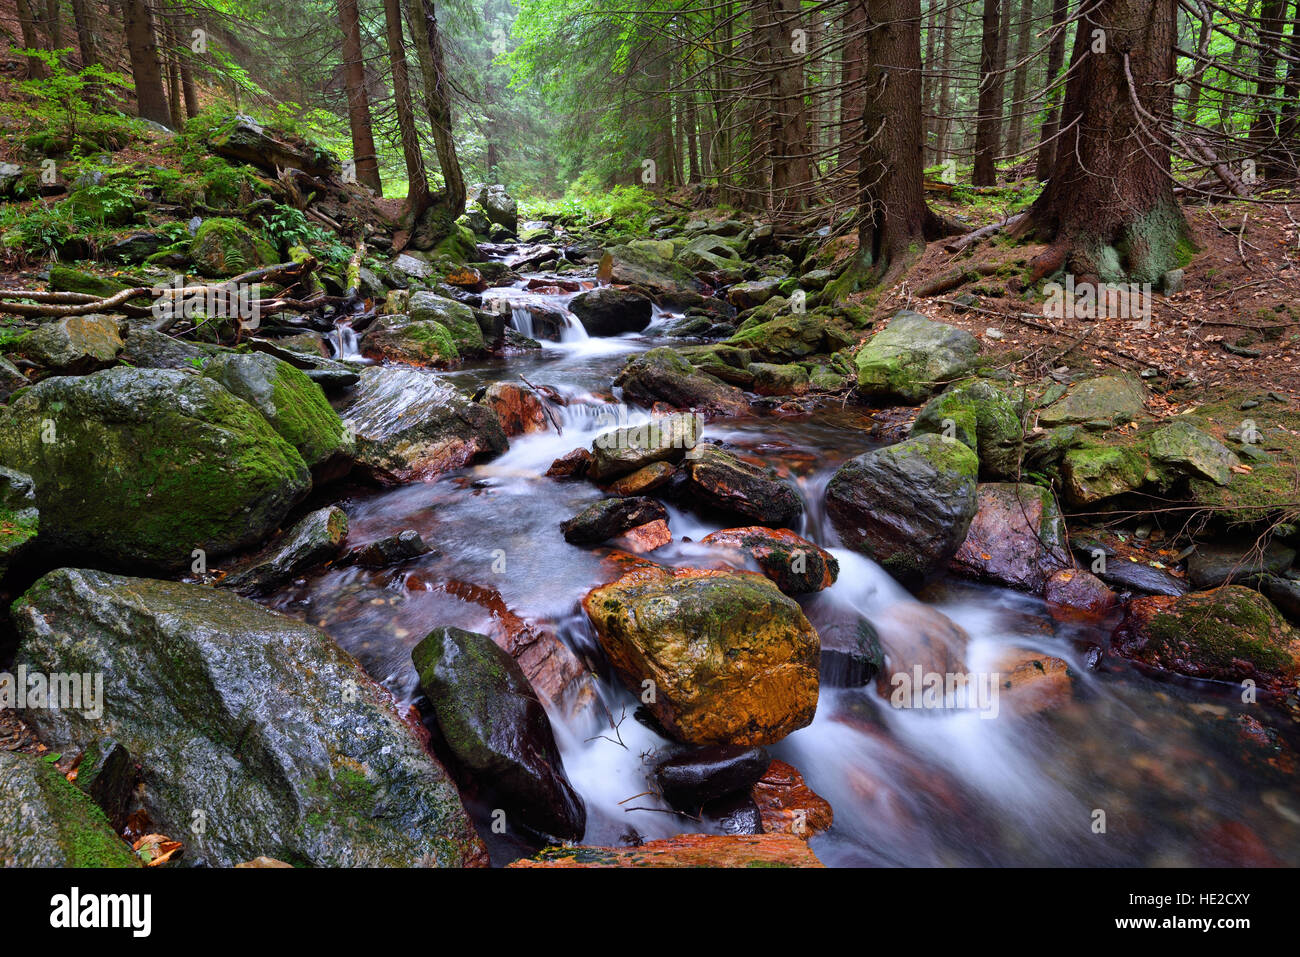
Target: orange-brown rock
[[794, 563], [1073, 594], [518, 407], [687, 850], [730, 659], [644, 479], [570, 465], [467, 277], [788, 805], [645, 538], [1029, 681]]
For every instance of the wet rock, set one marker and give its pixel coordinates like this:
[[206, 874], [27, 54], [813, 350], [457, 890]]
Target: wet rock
[[1183, 448], [915, 635], [146, 349], [1220, 563], [653, 476], [723, 482], [788, 806], [733, 814], [694, 778], [73, 346], [602, 520], [410, 425], [984, 417], [661, 375], [573, 464], [1110, 398], [293, 405], [49, 823], [731, 659], [644, 538], [399, 338], [19, 517], [1127, 575], [907, 506], [851, 651], [794, 563], [1092, 473], [1073, 594], [518, 408], [1030, 682], [747, 295], [1229, 634], [607, 311], [317, 538], [772, 379], [687, 850], [457, 318], [492, 721], [793, 337], [1016, 539], [648, 266], [913, 357], [497, 205], [256, 719], [662, 439], [148, 464], [389, 550]]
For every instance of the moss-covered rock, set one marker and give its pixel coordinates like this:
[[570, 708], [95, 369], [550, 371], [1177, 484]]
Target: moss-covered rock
[[74, 345], [66, 279], [661, 375], [1112, 399], [1182, 449], [19, 517], [259, 721], [146, 465], [457, 318], [773, 379], [983, 416], [913, 357], [1094, 471], [729, 658], [1228, 634], [907, 506], [792, 337], [293, 404], [402, 339], [226, 247], [49, 823]]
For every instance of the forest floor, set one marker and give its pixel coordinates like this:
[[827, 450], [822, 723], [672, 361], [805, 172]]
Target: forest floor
[[1241, 292]]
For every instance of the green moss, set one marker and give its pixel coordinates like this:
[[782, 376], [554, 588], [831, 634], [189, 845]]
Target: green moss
[[1224, 627], [84, 833], [226, 247]]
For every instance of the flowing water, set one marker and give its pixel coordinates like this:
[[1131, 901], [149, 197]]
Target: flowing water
[[1165, 762]]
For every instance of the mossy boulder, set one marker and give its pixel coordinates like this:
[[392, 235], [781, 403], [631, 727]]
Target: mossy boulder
[[74, 345], [913, 357], [646, 266], [399, 338], [145, 465], [1112, 399], [101, 205], [226, 247], [665, 438], [49, 823], [1184, 450], [259, 721], [661, 375], [794, 563], [316, 538], [293, 404], [1228, 634], [729, 658], [457, 318], [774, 379], [907, 506], [792, 337], [982, 415], [66, 279], [492, 721], [1092, 472], [19, 517], [721, 482]]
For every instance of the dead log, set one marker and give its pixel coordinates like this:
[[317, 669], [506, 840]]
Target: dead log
[[961, 242], [957, 276]]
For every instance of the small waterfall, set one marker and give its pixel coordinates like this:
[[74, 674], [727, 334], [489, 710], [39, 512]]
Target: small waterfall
[[345, 342]]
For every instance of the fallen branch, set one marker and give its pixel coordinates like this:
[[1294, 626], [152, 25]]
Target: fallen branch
[[961, 242]]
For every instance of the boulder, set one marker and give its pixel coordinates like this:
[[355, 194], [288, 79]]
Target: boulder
[[242, 138], [601, 521], [456, 317], [1093, 472], [690, 780], [293, 404], [770, 379], [907, 506], [249, 721], [49, 823], [11, 379], [647, 479], [1134, 576], [1228, 634], [571, 465], [389, 550], [646, 266], [729, 658], [19, 517], [1073, 594], [518, 408], [747, 295], [1244, 562], [399, 338], [983, 416], [1111, 399], [1016, 539], [913, 357], [719, 480], [688, 850], [497, 205], [410, 425], [145, 465], [851, 651], [661, 375], [1186, 450], [226, 247], [792, 337], [788, 806], [664, 438], [491, 720], [317, 538], [794, 563], [73, 346], [145, 348], [608, 311]]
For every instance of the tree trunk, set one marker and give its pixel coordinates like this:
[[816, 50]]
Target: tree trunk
[[791, 172], [172, 55], [852, 97], [1108, 209], [54, 24], [1264, 131], [437, 101], [364, 155], [1019, 86], [188, 89], [27, 22], [417, 192], [1052, 113], [989, 119], [83, 14], [1290, 123], [941, 147], [929, 111], [151, 101]]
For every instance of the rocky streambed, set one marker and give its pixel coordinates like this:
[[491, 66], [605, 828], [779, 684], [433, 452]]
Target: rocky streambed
[[658, 553]]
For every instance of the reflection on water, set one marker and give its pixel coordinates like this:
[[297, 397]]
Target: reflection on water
[[1167, 764]]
